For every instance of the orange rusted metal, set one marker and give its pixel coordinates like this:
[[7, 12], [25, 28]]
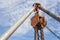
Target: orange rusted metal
[[37, 20]]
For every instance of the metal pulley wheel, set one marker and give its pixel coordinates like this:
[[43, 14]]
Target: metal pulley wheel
[[37, 21]]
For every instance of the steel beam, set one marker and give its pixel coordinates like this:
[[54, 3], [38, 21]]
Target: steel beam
[[13, 28]]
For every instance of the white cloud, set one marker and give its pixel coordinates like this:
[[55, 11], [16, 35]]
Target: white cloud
[[24, 28], [6, 3]]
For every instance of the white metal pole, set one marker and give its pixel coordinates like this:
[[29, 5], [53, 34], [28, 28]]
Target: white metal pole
[[13, 28], [50, 14]]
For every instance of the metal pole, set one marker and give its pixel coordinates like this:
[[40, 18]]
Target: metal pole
[[50, 14], [36, 37], [34, 34], [13, 28], [42, 34], [53, 33]]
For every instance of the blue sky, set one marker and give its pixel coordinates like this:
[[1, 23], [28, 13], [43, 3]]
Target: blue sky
[[12, 10]]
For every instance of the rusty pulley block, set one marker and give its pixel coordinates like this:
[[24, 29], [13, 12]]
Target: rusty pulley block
[[37, 20]]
